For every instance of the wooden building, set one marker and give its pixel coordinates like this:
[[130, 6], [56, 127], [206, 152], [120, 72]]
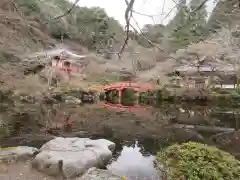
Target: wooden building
[[204, 74]]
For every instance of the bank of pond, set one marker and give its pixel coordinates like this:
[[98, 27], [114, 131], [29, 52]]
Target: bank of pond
[[130, 97]]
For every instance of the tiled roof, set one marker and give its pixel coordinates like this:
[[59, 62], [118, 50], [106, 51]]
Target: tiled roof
[[205, 68]]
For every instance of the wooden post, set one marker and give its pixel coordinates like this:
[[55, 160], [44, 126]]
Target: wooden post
[[50, 75], [237, 120], [120, 95], [137, 100]]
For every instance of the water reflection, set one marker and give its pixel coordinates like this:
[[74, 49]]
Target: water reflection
[[132, 164], [206, 115]]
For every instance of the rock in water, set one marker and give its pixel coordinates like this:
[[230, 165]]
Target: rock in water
[[71, 157], [17, 153], [99, 174]]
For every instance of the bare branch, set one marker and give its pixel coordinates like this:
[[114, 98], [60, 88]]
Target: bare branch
[[128, 15], [19, 12], [199, 6], [142, 34], [129, 9], [147, 15], [25, 21], [160, 14], [64, 14], [170, 12], [153, 21], [149, 41], [164, 2]]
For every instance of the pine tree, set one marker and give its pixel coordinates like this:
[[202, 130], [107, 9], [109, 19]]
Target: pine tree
[[180, 15], [179, 31], [199, 18], [188, 26], [225, 14]]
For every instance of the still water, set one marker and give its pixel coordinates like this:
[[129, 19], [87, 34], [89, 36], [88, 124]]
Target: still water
[[218, 126], [132, 164]]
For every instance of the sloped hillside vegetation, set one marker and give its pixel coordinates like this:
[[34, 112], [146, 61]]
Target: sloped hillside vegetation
[[29, 26], [90, 27], [18, 34]]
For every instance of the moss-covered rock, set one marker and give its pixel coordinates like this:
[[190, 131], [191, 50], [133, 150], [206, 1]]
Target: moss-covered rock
[[195, 161]]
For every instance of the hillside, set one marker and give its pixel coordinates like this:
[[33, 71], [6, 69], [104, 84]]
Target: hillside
[[33, 26], [30, 27], [33, 109], [27, 28]]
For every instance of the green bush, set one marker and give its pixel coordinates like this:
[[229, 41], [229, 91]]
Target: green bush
[[238, 89], [129, 97], [221, 90], [143, 98], [195, 161]]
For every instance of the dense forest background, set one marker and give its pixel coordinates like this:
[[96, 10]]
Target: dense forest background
[[93, 28]]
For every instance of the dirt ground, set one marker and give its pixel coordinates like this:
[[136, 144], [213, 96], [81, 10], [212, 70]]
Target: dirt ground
[[21, 171]]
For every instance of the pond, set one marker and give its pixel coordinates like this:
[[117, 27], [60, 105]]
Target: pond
[[208, 123], [133, 164], [213, 124]]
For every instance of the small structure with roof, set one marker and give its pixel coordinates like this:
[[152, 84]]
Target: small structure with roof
[[67, 61], [201, 74], [64, 64]]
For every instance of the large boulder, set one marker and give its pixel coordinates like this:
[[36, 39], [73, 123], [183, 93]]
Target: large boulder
[[9, 154], [99, 174], [71, 157]]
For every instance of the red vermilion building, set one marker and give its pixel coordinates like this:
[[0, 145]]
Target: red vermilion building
[[66, 65]]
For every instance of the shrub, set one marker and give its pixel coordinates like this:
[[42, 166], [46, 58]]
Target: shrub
[[4, 131], [221, 90], [238, 89], [188, 94], [129, 97], [195, 161]]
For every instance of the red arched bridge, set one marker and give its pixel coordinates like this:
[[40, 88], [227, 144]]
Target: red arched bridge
[[118, 88]]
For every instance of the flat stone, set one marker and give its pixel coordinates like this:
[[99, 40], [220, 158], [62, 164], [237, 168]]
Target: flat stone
[[99, 174], [9, 154]]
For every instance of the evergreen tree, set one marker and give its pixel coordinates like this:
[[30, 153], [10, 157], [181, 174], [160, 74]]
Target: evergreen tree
[[225, 14], [179, 31], [188, 26], [180, 15], [199, 18]]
